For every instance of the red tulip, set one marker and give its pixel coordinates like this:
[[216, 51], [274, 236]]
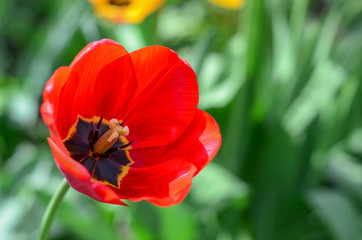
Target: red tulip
[[126, 125]]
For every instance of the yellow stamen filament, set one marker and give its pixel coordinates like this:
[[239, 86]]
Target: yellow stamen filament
[[110, 137]]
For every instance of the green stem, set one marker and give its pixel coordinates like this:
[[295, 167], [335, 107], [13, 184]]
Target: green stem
[[51, 210]]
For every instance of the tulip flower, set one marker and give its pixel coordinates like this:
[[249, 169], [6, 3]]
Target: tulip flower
[[125, 126]]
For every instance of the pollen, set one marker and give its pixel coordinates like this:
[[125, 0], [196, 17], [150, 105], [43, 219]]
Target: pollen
[[107, 140]]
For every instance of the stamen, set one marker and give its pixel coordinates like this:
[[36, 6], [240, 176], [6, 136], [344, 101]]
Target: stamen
[[99, 123], [107, 140], [95, 137], [124, 146], [90, 139], [114, 149]]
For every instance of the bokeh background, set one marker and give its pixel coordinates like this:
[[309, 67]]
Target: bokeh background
[[282, 79]]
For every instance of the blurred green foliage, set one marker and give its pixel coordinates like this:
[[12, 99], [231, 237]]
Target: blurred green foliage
[[282, 79]]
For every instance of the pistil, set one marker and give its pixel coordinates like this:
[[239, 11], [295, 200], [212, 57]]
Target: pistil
[[107, 140]]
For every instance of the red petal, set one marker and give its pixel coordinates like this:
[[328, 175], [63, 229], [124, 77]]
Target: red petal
[[80, 179], [210, 138], [95, 56], [161, 181], [166, 98], [66, 114], [79, 95], [167, 201], [51, 94], [47, 113], [115, 87], [198, 145], [106, 94], [163, 175], [168, 182], [55, 84]]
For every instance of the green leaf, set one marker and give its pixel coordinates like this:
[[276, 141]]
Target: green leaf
[[180, 216], [317, 94], [338, 214], [215, 187]]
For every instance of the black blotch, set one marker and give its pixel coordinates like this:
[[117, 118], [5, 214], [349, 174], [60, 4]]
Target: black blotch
[[119, 157], [82, 129], [89, 163], [76, 147], [103, 166], [107, 170]]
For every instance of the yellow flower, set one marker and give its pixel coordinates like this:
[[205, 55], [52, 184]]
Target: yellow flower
[[229, 4], [125, 11]]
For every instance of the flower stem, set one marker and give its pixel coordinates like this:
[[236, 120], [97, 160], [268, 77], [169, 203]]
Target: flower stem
[[51, 210]]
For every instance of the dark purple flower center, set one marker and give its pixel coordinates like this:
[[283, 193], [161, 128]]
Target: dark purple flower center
[[110, 164]]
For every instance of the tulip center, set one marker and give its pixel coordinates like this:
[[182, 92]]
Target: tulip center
[[120, 3], [102, 147], [109, 138]]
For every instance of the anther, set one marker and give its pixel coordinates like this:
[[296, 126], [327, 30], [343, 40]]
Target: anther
[[107, 140], [95, 137], [124, 146], [115, 149]]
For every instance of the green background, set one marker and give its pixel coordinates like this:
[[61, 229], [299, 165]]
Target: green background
[[281, 78]]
